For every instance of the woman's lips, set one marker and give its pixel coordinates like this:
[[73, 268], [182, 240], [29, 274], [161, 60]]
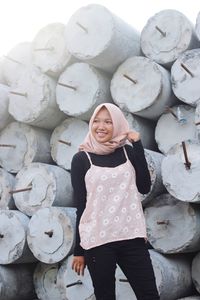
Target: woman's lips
[[101, 134]]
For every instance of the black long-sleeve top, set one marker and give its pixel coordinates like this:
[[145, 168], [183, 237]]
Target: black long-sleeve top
[[80, 165]]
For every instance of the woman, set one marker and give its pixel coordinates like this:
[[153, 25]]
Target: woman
[[107, 174]]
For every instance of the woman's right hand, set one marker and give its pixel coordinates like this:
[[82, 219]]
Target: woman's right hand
[[133, 136], [78, 264]]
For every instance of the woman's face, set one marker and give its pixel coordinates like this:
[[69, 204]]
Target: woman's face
[[102, 126]]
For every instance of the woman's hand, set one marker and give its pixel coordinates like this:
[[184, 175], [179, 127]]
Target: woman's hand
[[78, 264], [133, 136]]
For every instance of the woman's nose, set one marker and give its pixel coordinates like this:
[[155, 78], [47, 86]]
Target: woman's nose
[[101, 125]]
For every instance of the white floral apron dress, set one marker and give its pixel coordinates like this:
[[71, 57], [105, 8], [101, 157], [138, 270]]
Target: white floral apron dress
[[113, 209]]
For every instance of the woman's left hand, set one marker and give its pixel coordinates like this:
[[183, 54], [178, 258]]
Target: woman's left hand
[[133, 136], [78, 264]]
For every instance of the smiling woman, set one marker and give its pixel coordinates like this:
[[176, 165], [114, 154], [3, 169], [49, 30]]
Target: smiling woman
[[107, 175], [21, 20]]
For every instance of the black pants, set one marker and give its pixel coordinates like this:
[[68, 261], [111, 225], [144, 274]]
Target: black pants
[[133, 258]]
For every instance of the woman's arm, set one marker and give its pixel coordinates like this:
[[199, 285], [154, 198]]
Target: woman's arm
[[138, 160], [78, 172]]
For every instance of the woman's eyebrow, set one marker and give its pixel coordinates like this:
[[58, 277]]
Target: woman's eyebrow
[[106, 119]]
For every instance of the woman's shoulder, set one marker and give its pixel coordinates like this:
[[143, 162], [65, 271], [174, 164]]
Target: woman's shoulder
[[79, 156], [135, 148], [135, 145], [80, 162]]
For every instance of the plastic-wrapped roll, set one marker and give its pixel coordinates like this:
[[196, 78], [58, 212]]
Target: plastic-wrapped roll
[[21, 144], [111, 38], [142, 87], [173, 275], [197, 26], [195, 271], [172, 226], [49, 50], [197, 120], [51, 233], [185, 76], [174, 126], [145, 128], [45, 281], [80, 89], [7, 182], [65, 141], [13, 245], [154, 160], [166, 35], [5, 117], [73, 286], [2, 79], [17, 282], [32, 100], [181, 171], [16, 62], [41, 185]]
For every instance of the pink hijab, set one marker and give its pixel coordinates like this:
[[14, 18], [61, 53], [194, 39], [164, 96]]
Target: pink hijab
[[120, 130]]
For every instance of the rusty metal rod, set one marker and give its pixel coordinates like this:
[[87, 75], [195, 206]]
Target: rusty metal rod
[[83, 27], [74, 283], [44, 49], [7, 145], [172, 112], [13, 60], [123, 280], [161, 31], [163, 222], [18, 94], [68, 86], [21, 190], [129, 78], [187, 162], [49, 233], [64, 142], [187, 70]]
